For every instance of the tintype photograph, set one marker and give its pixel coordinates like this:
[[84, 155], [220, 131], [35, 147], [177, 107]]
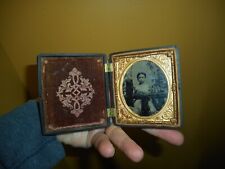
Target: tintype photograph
[[145, 88]]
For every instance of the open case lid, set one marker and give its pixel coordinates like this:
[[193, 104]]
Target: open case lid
[[73, 92], [86, 91]]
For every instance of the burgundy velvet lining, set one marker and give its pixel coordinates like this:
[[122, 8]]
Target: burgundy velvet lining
[[56, 70]]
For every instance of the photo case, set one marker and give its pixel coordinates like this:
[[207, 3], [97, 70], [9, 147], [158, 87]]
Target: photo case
[[139, 88]]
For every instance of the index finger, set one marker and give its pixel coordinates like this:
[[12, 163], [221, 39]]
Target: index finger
[[125, 143]]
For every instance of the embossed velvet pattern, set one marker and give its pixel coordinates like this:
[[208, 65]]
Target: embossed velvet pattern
[[55, 71]]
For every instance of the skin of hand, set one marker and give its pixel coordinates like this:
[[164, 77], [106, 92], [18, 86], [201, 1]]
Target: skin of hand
[[104, 140]]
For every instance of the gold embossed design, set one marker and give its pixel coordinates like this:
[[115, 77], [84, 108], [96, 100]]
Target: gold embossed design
[[165, 58], [75, 92]]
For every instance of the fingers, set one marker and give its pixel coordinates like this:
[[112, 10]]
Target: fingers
[[171, 136], [125, 143], [85, 139], [102, 143], [76, 139], [79, 139]]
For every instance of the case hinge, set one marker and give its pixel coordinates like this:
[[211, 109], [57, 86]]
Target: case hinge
[[108, 67], [111, 112]]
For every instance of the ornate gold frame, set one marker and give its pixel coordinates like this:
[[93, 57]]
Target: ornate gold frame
[[165, 58]]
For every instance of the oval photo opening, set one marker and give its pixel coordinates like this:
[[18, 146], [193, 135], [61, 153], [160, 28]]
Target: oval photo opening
[[145, 88]]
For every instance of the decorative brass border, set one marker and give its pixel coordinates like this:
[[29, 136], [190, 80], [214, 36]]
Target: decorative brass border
[[165, 58]]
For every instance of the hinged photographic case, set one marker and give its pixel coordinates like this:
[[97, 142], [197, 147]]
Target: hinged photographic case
[[139, 88]]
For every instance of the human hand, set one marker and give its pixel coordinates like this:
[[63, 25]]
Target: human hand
[[105, 139]]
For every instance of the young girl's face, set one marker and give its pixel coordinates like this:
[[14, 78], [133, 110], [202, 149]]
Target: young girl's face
[[141, 78]]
